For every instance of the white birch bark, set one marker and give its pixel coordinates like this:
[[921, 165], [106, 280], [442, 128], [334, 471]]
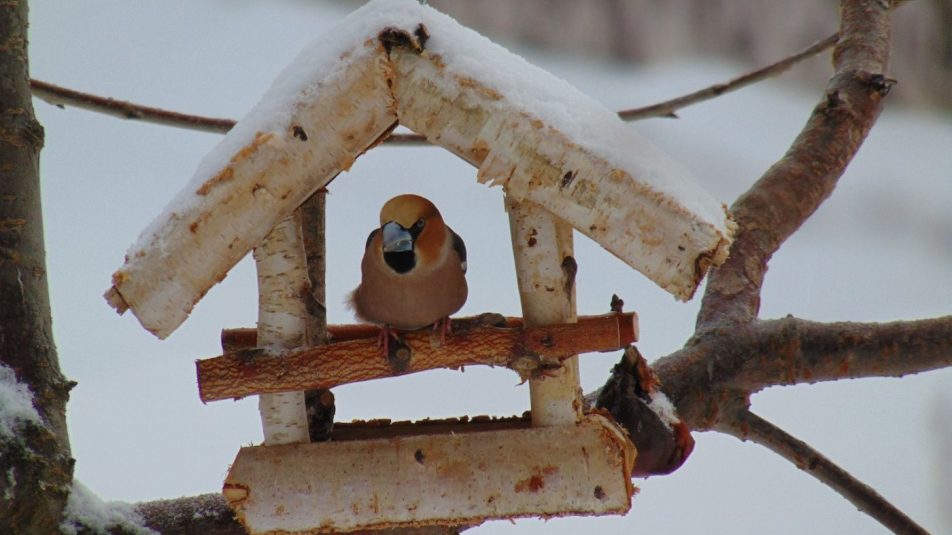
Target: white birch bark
[[282, 323], [540, 244], [412, 481]]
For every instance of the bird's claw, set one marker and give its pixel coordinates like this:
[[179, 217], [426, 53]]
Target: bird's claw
[[443, 327], [383, 339]]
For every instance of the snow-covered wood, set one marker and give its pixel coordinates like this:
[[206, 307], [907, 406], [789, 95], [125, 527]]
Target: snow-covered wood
[[244, 373], [523, 128], [545, 272], [433, 479], [282, 323], [234, 200], [615, 198]]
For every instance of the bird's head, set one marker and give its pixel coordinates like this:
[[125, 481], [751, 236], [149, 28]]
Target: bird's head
[[411, 231]]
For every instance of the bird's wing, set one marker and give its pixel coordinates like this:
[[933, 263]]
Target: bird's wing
[[459, 247], [370, 238]]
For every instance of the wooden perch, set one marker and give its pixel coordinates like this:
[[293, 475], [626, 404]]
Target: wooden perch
[[528, 351], [241, 338]]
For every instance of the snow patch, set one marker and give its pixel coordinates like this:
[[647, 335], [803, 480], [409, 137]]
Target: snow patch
[[662, 406], [16, 404], [87, 513]]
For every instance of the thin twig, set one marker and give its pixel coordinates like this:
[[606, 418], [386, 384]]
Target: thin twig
[[62, 96], [748, 426], [669, 107]]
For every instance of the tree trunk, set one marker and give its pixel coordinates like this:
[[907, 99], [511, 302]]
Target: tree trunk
[[36, 461]]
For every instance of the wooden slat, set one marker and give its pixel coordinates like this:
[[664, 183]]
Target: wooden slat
[[245, 373]]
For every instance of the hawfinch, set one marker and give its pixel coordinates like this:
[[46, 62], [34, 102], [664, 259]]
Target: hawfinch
[[412, 273]]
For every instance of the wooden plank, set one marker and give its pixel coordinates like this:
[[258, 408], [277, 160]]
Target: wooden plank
[[526, 350], [433, 479]]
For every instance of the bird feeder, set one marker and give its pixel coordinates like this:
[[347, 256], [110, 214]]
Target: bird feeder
[[564, 161]]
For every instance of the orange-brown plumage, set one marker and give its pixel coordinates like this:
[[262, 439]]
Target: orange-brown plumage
[[412, 273]]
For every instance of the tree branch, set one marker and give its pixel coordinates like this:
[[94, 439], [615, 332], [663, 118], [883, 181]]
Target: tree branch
[[748, 426], [749, 357], [794, 187], [669, 107], [62, 96], [35, 463]]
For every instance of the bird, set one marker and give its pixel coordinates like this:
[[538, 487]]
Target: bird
[[412, 272]]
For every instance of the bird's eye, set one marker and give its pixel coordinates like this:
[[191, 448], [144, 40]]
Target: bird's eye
[[419, 223]]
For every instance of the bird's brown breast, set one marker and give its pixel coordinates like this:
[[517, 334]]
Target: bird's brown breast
[[411, 300]]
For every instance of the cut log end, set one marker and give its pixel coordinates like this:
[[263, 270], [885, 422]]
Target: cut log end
[[115, 300]]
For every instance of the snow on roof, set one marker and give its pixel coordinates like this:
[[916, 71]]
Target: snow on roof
[[466, 53]]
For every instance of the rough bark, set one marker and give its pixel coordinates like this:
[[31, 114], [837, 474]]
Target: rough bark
[[794, 187], [37, 466], [529, 351]]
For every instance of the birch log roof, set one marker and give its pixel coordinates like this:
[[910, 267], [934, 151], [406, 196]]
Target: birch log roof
[[397, 62]]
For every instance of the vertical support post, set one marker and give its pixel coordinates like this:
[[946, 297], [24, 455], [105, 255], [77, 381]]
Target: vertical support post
[[545, 270], [319, 403], [282, 323]]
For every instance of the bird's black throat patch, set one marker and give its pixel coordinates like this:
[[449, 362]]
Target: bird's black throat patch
[[402, 261]]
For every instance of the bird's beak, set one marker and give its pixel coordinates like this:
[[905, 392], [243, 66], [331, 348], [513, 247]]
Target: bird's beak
[[396, 239]]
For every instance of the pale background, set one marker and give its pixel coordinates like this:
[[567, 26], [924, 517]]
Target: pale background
[[878, 250]]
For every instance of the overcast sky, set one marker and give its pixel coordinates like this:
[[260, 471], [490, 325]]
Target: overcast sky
[[878, 250]]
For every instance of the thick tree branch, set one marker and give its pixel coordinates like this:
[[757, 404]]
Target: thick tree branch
[[750, 357], [35, 465], [748, 426], [793, 188]]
